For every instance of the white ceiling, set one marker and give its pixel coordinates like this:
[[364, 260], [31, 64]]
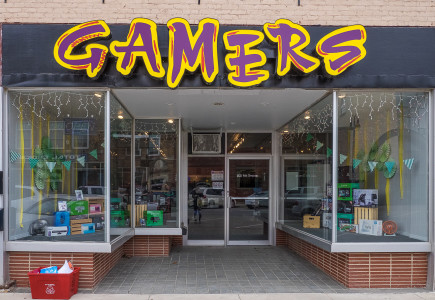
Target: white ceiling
[[229, 109]]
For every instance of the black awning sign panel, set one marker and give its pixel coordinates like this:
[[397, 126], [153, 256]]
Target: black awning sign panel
[[78, 49]]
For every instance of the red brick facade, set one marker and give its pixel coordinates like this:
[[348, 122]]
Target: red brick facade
[[94, 266], [363, 270]]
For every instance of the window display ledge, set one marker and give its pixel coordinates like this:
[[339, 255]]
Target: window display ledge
[[310, 238], [355, 247], [34, 246], [157, 231]]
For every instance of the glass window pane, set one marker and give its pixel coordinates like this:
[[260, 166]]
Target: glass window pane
[[120, 166], [56, 165], [383, 166], [306, 193], [156, 195], [249, 143]]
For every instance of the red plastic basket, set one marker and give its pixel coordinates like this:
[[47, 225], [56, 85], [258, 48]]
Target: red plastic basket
[[53, 286]]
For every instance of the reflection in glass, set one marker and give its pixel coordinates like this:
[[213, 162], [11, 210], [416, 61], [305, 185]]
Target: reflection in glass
[[56, 166], [249, 143], [206, 198], [306, 193], [120, 165], [383, 166], [249, 196], [156, 198]]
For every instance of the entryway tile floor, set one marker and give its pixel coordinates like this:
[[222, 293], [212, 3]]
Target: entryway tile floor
[[221, 270]]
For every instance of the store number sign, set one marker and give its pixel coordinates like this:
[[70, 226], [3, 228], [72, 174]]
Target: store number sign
[[189, 51]]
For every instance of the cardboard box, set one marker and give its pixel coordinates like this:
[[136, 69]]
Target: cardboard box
[[370, 227], [311, 221], [56, 230], [80, 207], [88, 228], [155, 218]]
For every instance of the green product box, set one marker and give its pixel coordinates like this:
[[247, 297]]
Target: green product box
[[154, 217], [118, 217], [344, 219], [345, 191], [80, 207]]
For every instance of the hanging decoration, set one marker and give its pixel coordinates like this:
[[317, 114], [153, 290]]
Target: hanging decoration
[[22, 167], [356, 163], [309, 137], [94, 153], [328, 152], [372, 165], [67, 164], [385, 153], [50, 165], [390, 169], [81, 160], [33, 162], [318, 145], [401, 150], [13, 156], [342, 158], [390, 165], [408, 162]]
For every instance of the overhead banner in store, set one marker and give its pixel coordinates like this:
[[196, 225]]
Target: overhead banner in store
[[77, 49]]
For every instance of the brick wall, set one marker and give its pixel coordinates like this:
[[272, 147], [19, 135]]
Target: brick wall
[[364, 270], [250, 12], [94, 266], [148, 245]]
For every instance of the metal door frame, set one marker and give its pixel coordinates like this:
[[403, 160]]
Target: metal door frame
[[269, 241]]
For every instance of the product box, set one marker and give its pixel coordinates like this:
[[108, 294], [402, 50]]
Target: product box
[[80, 207], [154, 218], [345, 191], [76, 225], [118, 218], [370, 227], [56, 230], [344, 219], [88, 228], [311, 221], [327, 220], [61, 218], [95, 209], [349, 228], [363, 197]]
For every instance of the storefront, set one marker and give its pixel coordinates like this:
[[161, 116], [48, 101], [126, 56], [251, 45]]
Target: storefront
[[152, 136]]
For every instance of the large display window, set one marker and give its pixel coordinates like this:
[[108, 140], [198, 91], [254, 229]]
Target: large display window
[[377, 189], [306, 175], [121, 124], [156, 167], [383, 166], [56, 165]]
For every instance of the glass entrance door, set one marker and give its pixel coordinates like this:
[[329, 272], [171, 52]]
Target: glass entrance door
[[248, 201]]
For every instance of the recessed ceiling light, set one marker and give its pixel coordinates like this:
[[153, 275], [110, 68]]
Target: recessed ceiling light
[[121, 117], [98, 95], [285, 131], [307, 115], [341, 96], [218, 103], [170, 121]]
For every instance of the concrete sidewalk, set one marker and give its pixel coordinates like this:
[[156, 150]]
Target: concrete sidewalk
[[280, 296]]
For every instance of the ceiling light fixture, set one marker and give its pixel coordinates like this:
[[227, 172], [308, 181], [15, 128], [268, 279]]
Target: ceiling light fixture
[[98, 95], [307, 115], [120, 117], [341, 96], [170, 121]]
